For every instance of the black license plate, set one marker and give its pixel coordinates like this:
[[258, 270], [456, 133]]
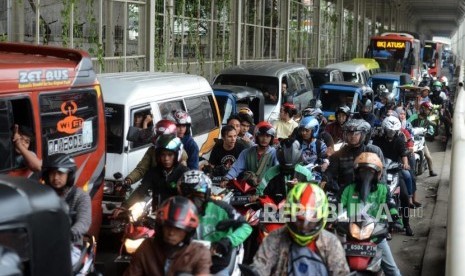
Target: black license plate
[[240, 200], [364, 250]]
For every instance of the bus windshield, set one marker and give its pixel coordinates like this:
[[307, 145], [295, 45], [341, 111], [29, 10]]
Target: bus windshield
[[428, 52], [392, 55]]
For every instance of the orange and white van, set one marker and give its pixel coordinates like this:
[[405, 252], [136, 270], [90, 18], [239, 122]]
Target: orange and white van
[[55, 92]]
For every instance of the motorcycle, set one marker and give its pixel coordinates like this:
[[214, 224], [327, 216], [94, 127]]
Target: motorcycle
[[419, 144], [392, 179], [360, 238], [85, 265], [137, 224]]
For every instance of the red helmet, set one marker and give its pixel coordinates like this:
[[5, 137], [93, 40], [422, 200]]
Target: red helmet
[[265, 128], [289, 109], [179, 212], [427, 105], [163, 127]]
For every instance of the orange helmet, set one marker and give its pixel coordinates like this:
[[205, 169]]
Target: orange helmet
[[370, 160]]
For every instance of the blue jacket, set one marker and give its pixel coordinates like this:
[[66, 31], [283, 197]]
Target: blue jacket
[[190, 146]]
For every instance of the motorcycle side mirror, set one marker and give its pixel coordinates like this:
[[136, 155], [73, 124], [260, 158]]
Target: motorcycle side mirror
[[461, 84], [117, 175]]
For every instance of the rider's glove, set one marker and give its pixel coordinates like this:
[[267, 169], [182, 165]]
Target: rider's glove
[[222, 246]]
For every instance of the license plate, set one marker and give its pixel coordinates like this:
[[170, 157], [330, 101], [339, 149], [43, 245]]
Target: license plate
[[364, 250], [240, 200]]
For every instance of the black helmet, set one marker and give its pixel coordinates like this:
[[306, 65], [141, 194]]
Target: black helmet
[[179, 212], [355, 125], [61, 162], [289, 154], [366, 106]]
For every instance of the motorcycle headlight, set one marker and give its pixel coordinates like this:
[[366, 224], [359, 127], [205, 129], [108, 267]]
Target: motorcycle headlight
[[132, 245], [361, 233], [137, 210], [108, 187]]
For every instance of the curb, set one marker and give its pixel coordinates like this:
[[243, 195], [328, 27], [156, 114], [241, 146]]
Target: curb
[[434, 258]]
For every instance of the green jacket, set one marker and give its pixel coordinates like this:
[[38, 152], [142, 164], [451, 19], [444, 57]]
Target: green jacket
[[379, 200], [217, 211]]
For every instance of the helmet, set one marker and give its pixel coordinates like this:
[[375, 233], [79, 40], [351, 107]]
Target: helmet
[[171, 143], [310, 111], [245, 114], [344, 108], [354, 125], [437, 86], [366, 105], [381, 88], [310, 123], [391, 126], [314, 103], [308, 207], [444, 80], [289, 109], [61, 162], [425, 106], [265, 128], [369, 159], [163, 127], [387, 95], [425, 88], [181, 117], [289, 154], [195, 181], [179, 212], [246, 111]]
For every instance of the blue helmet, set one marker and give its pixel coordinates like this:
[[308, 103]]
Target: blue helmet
[[310, 123]]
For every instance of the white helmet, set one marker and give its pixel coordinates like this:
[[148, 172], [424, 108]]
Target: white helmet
[[391, 126]]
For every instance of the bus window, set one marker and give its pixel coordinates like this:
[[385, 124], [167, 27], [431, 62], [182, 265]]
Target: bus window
[[6, 144], [69, 122]]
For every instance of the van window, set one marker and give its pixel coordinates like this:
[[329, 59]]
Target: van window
[[69, 122], [114, 114], [167, 107], [200, 108], [332, 99], [137, 119], [299, 82], [350, 76], [265, 84], [225, 105]]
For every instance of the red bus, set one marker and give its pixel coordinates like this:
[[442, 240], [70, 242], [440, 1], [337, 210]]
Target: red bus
[[396, 52], [54, 92], [432, 54]]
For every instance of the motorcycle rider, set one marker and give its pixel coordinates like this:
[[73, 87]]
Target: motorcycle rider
[[303, 247], [220, 223], [366, 111], [58, 172], [149, 160], [163, 177], [257, 158], [225, 151], [420, 119], [313, 149], [335, 128], [340, 172], [392, 143], [245, 116], [286, 124], [280, 178], [171, 251], [366, 190], [183, 123]]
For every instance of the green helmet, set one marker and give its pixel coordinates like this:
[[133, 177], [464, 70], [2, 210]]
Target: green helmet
[[437, 83], [307, 206]]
